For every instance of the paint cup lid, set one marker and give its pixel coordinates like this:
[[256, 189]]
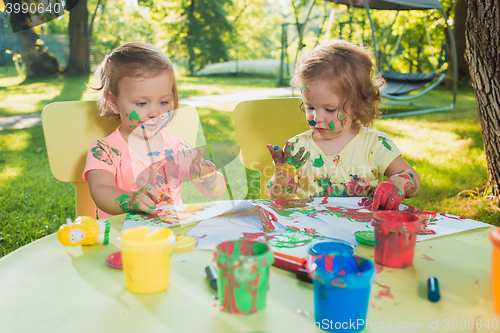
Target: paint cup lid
[[184, 243], [338, 246], [114, 260], [365, 237]]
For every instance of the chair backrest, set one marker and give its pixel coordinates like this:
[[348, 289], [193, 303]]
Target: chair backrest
[[71, 127], [267, 121]]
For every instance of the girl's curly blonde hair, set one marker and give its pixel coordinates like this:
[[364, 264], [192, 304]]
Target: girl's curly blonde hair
[[136, 59], [349, 71]]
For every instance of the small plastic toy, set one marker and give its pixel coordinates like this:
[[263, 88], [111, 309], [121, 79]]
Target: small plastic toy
[[84, 231]]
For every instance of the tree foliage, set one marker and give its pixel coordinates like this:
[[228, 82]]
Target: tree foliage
[[196, 28]]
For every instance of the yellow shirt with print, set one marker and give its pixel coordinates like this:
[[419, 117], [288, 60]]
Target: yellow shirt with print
[[355, 171]]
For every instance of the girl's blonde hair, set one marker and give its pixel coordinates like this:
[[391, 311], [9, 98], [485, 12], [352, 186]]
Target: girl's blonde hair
[[130, 60], [349, 71]]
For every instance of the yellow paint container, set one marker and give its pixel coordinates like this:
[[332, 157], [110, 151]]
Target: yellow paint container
[[495, 268], [146, 253]]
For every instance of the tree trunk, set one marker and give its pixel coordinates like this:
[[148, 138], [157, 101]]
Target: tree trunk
[[79, 55], [37, 60], [190, 37], [483, 55], [459, 34]]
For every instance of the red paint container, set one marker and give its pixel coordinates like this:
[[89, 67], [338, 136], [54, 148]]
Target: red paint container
[[395, 237]]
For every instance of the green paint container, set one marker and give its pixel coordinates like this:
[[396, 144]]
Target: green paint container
[[243, 275]]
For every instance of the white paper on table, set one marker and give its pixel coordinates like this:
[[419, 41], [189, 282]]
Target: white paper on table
[[211, 232]]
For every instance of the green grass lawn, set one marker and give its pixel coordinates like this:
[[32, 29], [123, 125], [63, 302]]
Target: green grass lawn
[[446, 148], [22, 96]]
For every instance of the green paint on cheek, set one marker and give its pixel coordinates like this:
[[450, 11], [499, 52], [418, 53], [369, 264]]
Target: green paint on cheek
[[133, 127], [331, 125], [303, 87], [133, 116], [342, 120]]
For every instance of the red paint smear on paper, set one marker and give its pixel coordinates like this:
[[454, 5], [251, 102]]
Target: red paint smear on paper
[[351, 214], [378, 268], [427, 257], [386, 292], [365, 202], [458, 218], [373, 305]]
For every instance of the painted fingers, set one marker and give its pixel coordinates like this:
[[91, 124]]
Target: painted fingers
[[203, 172], [144, 200], [286, 155], [388, 196]]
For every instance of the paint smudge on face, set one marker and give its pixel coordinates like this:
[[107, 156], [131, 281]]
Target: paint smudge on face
[[331, 125], [243, 275], [386, 292], [162, 120], [427, 257], [134, 116], [311, 122], [133, 127], [303, 87], [342, 120]]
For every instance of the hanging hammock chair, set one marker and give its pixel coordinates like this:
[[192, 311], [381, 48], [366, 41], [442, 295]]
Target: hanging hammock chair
[[399, 85]]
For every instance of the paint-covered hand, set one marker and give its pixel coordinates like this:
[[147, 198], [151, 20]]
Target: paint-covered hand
[[144, 200], [391, 192], [282, 184], [203, 172], [287, 163]]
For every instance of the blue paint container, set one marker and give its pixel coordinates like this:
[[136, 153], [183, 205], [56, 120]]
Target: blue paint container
[[341, 284]]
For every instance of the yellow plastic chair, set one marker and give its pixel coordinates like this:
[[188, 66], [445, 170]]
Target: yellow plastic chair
[[262, 122], [71, 127]]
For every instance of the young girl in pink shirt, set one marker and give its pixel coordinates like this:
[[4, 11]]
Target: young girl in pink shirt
[[138, 165]]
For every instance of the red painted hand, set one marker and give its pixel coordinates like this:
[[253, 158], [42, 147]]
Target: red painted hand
[[387, 195], [390, 193]]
